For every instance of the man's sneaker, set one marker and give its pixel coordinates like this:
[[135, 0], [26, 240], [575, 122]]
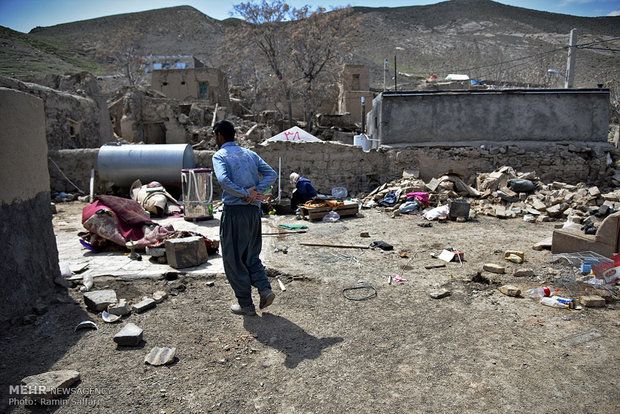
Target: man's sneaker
[[246, 310], [266, 298]]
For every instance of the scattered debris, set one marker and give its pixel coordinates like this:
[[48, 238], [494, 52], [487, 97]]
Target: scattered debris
[[544, 244], [144, 305], [510, 290], [592, 301], [494, 268], [558, 302], [160, 356], [439, 294], [86, 325], [99, 300], [342, 246], [382, 245], [451, 256], [503, 193], [372, 292], [159, 296], [109, 318], [87, 283], [130, 335], [186, 252], [121, 308], [48, 385], [515, 256]]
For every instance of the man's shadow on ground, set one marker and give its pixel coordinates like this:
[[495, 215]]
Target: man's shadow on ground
[[281, 334]]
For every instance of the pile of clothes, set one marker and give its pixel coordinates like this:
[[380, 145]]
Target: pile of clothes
[[119, 220]]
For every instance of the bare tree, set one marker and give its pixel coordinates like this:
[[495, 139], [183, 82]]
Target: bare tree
[[122, 53], [319, 41], [302, 48], [263, 40]]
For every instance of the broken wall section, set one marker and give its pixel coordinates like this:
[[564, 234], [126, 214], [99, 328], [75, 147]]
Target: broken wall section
[[147, 116], [74, 118], [330, 164], [30, 262]]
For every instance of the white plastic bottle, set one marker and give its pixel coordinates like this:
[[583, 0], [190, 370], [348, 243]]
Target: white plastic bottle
[[539, 292], [558, 302]]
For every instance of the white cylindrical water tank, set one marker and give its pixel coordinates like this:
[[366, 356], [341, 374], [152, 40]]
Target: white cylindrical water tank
[[121, 165]]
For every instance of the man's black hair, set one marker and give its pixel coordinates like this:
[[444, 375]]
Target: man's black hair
[[226, 128]]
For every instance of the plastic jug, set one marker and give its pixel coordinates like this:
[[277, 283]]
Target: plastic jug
[[197, 186]]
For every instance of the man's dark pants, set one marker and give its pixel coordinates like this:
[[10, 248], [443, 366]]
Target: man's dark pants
[[241, 243]]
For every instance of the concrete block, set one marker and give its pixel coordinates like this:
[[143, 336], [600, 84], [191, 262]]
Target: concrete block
[[144, 305], [120, 308], [493, 268], [592, 301], [48, 384], [159, 296], [510, 290], [99, 300], [439, 294], [523, 273], [130, 335], [186, 252]]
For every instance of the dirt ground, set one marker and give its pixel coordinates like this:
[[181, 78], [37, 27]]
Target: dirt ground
[[315, 350]]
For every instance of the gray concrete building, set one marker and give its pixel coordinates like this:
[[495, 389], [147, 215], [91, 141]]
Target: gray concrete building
[[461, 117]]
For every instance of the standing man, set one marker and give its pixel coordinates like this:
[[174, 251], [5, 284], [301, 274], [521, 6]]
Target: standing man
[[244, 178]]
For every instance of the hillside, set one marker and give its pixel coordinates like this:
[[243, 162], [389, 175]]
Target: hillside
[[482, 38], [23, 55]]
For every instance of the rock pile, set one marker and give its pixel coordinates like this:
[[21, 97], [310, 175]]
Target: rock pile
[[505, 193]]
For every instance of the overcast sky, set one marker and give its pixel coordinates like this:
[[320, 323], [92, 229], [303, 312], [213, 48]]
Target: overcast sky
[[23, 15]]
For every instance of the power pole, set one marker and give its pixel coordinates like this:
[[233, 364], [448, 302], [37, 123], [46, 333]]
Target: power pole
[[570, 64], [385, 72], [395, 75]]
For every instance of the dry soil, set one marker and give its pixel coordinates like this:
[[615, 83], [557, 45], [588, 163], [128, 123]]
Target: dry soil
[[317, 349]]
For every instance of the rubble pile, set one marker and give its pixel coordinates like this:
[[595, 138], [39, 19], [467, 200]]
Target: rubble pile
[[505, 193]]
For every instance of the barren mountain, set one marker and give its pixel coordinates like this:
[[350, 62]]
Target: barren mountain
[[481, 38]]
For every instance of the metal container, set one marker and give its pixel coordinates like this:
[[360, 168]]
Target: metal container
[[197, 184], [121, 165], [458, 208]]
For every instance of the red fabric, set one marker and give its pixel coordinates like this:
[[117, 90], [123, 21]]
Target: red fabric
[[129, 215]]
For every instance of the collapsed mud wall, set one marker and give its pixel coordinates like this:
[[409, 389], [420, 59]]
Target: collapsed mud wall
[[30, 262], [72, 119], [330, 164]]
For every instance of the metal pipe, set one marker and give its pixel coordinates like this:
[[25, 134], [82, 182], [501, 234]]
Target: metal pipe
[[279, 179]]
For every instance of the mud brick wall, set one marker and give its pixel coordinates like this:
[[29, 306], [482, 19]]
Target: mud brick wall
[[75, 165], [71, 120], [330, 164], [30, 259]]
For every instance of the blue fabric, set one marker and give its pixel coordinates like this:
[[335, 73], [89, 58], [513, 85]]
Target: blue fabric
[[239, 169], [389, 199], [241, 243], [305, 188]]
